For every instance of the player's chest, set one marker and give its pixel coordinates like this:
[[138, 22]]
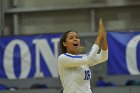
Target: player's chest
[[86, 73], [83, 72]]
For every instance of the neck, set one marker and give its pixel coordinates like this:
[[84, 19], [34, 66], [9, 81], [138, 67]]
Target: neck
[[73, 53]]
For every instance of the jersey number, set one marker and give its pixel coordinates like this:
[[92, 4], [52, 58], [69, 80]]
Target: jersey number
[[87, 75]]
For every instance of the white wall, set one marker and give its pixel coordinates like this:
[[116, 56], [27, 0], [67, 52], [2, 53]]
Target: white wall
[[115, 18], [45, 22], [121, 18], [40, 3]]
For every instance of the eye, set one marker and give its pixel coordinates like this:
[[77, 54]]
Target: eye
[[70, 37], [77, 37]]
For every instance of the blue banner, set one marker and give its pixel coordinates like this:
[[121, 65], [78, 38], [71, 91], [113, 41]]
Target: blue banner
[[29, 56], [124, 53]]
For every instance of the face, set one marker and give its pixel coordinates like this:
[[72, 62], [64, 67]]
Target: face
[[72, 43]]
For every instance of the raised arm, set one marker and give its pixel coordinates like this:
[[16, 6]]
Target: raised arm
[[68, 60], [100, 35], [103, 55], [104, 41]]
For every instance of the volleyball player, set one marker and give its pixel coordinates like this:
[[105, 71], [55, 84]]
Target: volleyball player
[[73, 67]]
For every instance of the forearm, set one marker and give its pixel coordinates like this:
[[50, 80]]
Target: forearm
[[104, 40], [67, 60], [99, 36], [99, 58], [92, 54], [104, 44], [97, 41]]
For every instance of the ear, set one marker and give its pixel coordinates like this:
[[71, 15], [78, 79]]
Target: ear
[[64, 44]]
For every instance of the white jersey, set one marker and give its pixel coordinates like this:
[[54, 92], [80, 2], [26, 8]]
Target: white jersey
[[74, 70]]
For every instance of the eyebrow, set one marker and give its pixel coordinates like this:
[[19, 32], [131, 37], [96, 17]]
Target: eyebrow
[[70, 36], [73, 36]]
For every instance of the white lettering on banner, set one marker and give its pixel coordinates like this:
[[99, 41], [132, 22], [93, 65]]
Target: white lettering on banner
[[42, 47], [56, 41], [131, 55], [25, 59]]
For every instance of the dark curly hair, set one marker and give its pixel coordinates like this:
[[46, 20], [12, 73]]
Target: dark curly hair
[[63, 39]]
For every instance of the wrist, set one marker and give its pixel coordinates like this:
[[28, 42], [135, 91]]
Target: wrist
[[104, 37], [98, 39]]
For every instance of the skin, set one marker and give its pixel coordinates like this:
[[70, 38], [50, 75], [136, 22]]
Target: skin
[[104, 41], [101, 37], [72, 43]]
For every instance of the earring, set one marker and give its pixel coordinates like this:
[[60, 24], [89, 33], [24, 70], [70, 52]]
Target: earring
[[64, 44]]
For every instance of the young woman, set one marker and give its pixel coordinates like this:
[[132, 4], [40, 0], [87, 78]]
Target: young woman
[[73, 67]]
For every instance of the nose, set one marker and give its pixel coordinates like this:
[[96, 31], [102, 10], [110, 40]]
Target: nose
[[75, 39]]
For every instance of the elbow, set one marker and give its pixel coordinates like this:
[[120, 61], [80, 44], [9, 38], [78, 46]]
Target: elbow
[[104, 55], [105, 58]]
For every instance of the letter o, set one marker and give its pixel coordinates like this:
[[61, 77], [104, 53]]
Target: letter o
[[25, 59], [131, 55]]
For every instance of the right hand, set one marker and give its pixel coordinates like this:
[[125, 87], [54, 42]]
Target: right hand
[[104, 41]]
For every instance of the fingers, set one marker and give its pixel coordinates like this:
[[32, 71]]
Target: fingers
[[100, 32], [101, 21], [99, 29], [102, 29], [101, 24]]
